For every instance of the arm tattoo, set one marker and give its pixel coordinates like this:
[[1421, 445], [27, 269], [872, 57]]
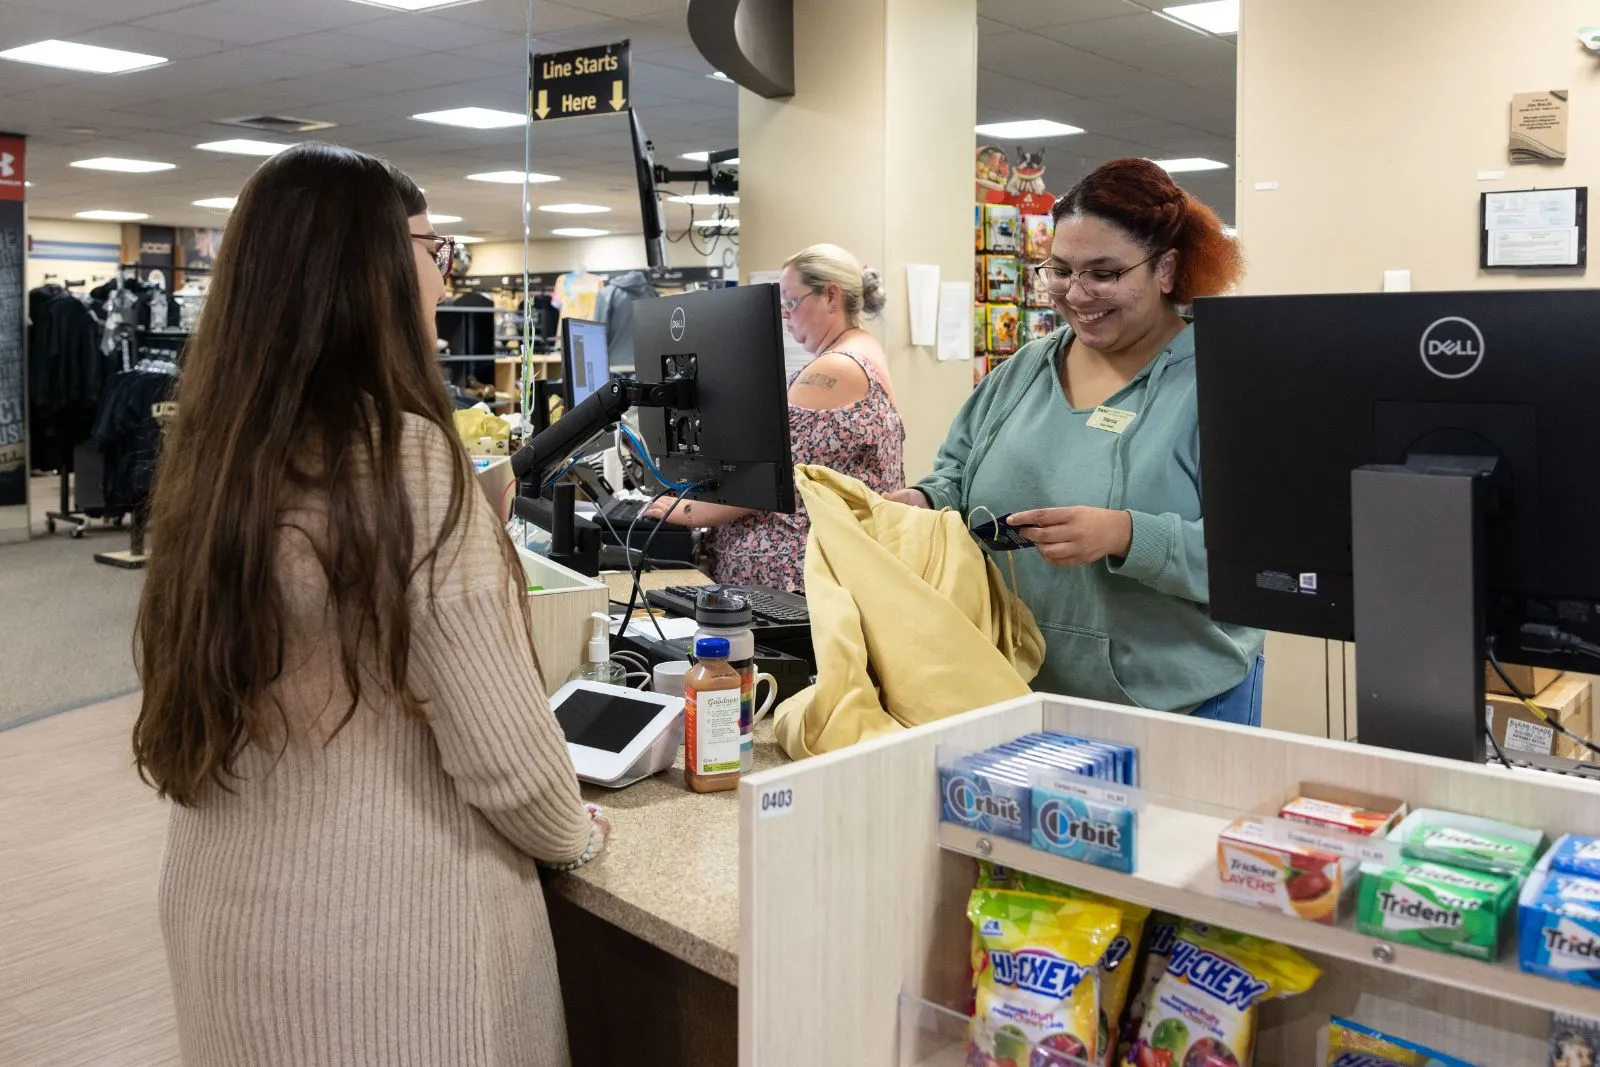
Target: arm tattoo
[[818, 379]]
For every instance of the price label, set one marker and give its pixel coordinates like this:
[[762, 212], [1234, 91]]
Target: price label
[[1347, 846], [775, 800]]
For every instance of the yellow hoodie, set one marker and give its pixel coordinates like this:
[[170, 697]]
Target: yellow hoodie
[[910, 621]]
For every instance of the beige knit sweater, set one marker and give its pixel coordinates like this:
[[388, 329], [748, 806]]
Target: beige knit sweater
[[373, 900]]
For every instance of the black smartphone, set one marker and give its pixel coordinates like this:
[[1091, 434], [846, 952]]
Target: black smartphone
[[997, 535]]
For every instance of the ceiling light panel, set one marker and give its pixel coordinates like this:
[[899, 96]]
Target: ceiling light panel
[[473, 118], [463, 239], [1188, 165], [574, 209], [511, 177], [69, 55], [102, 215], [704, 199], [579, 231], [1027, 129], [219, 203], [243, 147], [124, 166], [443, 220], [415, 5], [1218, 16], [705, 157]]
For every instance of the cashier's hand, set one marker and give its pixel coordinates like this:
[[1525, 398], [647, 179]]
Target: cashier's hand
[[913, 497], [1075, 537]]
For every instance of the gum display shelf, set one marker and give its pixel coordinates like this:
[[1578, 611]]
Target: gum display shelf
[[1176, 872]]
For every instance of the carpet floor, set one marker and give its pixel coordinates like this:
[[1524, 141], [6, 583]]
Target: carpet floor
[[67, 640]]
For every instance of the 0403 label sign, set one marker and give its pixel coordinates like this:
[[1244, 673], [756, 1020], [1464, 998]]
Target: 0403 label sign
[[775, 800]]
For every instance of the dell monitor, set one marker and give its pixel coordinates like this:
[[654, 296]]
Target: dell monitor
[[1414, 471], [585, 366], [736, 438]]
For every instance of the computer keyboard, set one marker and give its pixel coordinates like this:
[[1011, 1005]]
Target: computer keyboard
[[623, 512], [776, 614]]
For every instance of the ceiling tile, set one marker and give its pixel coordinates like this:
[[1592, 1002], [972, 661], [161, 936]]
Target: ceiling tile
[[1031, 14], [311, 14], [425, 32], [354, 49], [1193, 107], [1049, 63], [220, 22]]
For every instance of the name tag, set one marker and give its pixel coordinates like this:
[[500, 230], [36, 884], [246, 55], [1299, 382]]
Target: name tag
[[1111, 420]]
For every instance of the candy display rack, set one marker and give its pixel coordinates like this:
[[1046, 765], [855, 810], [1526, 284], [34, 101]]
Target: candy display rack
[[857, 893]]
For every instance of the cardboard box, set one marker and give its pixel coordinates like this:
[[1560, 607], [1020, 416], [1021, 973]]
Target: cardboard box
[[1530, 680], [1569, 702], [560, 602]]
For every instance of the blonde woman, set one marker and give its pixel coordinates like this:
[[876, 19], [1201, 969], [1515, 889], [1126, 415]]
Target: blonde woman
[[842, 415]]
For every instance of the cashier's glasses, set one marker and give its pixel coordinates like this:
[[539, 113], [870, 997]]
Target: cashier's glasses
[[1058, 281]]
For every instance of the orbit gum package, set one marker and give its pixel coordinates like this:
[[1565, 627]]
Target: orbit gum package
[[1037, 981], [1203, 1013]]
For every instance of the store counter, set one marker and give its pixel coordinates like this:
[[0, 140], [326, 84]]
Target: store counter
[[670, 874], [647, 935]]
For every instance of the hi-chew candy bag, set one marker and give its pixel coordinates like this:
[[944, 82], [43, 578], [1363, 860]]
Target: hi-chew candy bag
[[1117, 965], [1204, 1010], [1038, 996], [1352, 1045], [1160, 932]]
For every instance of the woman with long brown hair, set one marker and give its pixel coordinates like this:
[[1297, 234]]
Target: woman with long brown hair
[[341, 697]]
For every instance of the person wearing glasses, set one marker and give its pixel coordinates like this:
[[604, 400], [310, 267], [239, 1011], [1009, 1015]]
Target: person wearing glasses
[[341, 695], [1088, 442], [842, 415]]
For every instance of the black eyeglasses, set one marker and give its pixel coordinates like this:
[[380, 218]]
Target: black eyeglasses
[[1097, 282], [444, 251]]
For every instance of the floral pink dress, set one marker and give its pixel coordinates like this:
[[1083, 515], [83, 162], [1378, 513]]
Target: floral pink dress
[[865, 440]]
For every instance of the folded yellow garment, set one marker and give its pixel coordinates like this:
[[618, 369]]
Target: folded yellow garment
[[473, 425], [910, 620]]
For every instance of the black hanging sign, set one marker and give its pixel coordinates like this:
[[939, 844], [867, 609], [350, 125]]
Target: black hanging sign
[[584, 81]]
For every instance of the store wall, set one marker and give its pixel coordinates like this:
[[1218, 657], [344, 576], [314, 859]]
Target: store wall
[[613, 252], [873, 152], [72, 249], [1374, 119]]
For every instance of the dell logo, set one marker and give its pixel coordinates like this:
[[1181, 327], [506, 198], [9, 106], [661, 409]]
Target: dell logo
[[8, 167], [677, 323], [1452, 347]]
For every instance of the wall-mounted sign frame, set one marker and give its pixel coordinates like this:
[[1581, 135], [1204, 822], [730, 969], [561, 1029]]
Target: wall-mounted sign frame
[[1534, 229]]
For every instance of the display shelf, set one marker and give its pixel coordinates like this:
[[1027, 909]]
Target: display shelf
[[1176, 872]]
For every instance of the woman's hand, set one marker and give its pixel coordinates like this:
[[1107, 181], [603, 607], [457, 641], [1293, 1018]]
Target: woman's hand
[[602, 824], [1075, 537], [659, 507], [912, 497]]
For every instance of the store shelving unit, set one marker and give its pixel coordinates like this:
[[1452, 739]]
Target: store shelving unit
[[855, 892]]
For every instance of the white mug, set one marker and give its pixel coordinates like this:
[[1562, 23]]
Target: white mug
[[772, 698], [668, 677]]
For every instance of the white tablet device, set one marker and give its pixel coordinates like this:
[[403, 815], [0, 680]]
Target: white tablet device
[[617, 736]]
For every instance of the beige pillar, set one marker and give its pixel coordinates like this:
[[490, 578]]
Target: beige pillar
[[873, 152]]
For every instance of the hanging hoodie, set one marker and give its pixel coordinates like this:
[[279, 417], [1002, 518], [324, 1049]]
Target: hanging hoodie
[[910, 621]]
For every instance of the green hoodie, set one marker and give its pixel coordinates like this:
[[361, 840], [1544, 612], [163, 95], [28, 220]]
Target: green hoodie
[[1129, 631]]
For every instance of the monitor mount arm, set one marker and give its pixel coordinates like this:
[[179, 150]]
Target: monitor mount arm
[[574, 542], [600, 409]]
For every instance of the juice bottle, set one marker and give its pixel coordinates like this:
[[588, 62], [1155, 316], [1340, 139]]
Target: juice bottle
[[712, 701]]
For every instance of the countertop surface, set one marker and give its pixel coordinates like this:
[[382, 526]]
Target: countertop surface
[[670, 873]]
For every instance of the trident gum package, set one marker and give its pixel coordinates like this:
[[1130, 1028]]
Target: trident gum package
[[1037, 983], [1203, 1013], [1352, 1045]]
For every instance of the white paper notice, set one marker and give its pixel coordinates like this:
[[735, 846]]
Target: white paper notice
[[922, 293], [794, 356], [1538, 209], [1533, 248], [955, 321]]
